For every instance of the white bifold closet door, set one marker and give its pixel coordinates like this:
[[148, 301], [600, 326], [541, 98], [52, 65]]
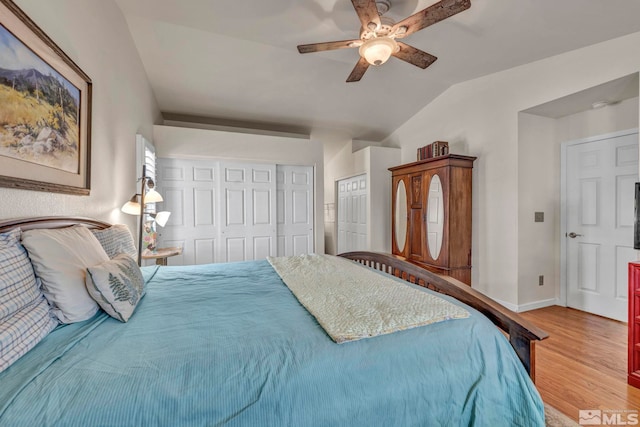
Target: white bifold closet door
[[248, 222], [225, 212], [294, 187]]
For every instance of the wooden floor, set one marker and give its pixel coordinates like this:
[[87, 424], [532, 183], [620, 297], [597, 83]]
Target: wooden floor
[[583, 363]]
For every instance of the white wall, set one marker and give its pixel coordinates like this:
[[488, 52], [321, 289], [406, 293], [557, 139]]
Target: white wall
[[622, 116], [181, 142], [378, 160], [341, 165], [539, 191], [374, 161], [94, 34], [480, 117]]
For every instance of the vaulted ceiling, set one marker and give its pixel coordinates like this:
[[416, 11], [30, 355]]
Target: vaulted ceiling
[[231, 62]]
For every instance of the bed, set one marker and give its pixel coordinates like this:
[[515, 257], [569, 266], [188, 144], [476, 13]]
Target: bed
[[229, 344]]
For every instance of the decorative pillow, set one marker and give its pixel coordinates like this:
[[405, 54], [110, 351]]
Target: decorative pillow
[[60, 258], [116, 240], [117, 286], [24, 313]]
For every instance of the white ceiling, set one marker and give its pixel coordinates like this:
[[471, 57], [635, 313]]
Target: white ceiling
[[235, 62], [608, 93]]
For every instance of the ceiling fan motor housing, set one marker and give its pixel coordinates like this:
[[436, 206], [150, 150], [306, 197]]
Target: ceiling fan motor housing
[[386, 24]]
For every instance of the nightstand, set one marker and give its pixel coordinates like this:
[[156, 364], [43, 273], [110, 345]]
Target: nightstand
[[161, 254]]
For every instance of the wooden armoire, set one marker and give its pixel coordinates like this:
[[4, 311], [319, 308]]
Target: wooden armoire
[[431, 214]]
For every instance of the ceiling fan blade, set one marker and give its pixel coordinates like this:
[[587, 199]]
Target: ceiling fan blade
[[429, 16], [414, 56], [319, 47], [358, 71], [367, 12]]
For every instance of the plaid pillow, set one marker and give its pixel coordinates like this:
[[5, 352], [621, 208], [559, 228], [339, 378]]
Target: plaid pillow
[[24, 313], [116, 240]]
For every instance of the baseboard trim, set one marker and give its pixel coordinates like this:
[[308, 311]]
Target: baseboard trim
[[512, 307], [538, 304], [530, 305]]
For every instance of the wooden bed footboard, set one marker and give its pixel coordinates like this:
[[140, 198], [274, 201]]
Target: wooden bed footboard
[[522, 333]]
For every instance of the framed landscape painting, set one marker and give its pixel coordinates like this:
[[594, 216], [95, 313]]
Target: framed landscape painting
[[45, 110]]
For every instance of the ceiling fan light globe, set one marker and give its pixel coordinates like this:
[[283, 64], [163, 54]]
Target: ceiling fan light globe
[[378, 50]]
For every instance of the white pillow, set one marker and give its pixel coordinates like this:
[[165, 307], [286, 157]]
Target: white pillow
[[116, 285], [60, 258]]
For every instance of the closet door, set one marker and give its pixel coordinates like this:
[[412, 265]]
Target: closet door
[[223, 211], [352, 214], [248, 228], [294, 209], [189, 189]]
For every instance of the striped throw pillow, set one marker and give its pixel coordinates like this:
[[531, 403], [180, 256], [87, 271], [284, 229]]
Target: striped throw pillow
[[24, 313]]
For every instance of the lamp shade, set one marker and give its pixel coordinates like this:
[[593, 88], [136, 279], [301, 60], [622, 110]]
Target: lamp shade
[[132, 207], [162, 218], [152, 196], [377, 51]]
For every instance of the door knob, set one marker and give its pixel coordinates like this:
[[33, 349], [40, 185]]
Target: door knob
[[573, 235]]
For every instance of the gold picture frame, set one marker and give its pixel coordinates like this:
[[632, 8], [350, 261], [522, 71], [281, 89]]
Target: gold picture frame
[[45, 110]]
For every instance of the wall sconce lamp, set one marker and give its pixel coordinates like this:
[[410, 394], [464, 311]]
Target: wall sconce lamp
[[136, 206]]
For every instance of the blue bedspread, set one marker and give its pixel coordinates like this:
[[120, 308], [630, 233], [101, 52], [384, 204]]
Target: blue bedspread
[[229, 344]]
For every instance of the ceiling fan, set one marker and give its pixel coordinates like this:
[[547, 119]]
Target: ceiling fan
[[378, 34]]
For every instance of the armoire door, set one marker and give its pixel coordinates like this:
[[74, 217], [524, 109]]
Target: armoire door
[[436, 214], [400, 216], [417, 238]]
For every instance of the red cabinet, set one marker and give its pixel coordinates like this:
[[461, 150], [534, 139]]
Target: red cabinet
[[634, 324]]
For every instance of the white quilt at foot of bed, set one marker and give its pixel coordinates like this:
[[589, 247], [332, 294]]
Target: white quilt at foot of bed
[[352, 302]]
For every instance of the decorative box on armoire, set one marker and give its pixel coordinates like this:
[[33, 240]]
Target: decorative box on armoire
[[431, 221], [633, 360]]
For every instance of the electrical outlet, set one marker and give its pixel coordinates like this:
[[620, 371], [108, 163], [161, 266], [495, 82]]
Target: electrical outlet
[[538, 217], [540, 280]]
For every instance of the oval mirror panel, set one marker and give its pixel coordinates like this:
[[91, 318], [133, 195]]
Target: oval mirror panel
[[435, 217], [401, 216]]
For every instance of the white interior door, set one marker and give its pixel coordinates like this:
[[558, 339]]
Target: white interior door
[[248, 227], [352, 214], [294, 209], [189, 189], [599, 202]]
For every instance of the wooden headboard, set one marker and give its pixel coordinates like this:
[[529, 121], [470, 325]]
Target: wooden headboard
[[50, 222], [522, 333]]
